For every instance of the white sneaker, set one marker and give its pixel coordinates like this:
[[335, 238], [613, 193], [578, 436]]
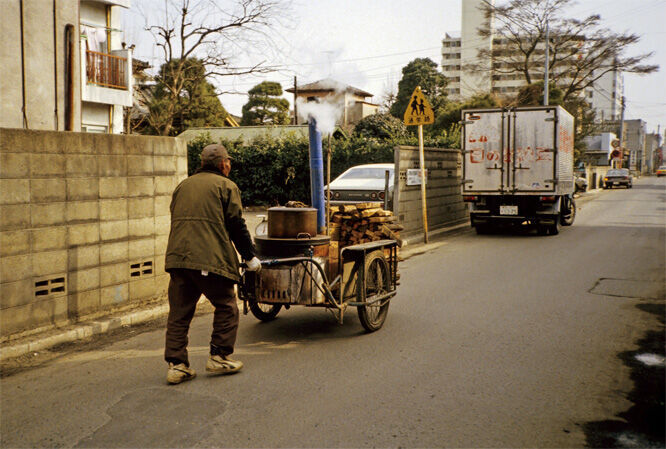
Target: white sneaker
[[218, 364], [179, 373]]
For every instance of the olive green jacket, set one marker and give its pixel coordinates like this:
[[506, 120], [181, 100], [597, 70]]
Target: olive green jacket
[[206, 223]]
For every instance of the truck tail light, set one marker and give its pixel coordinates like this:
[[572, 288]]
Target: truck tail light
[[605, 178], [547, 199], [381, 195], [373, 195], [470, 198]]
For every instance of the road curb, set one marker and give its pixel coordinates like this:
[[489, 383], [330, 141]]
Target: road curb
[[81, 331], [415, 245]]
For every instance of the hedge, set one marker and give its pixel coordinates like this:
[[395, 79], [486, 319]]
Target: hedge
[[271, 171]]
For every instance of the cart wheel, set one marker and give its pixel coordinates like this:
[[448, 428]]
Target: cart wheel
[[264, 312], [377, 282]]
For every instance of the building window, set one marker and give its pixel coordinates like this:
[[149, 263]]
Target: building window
[[94, 129]]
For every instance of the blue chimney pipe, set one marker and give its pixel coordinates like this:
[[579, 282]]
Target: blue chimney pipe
[[317, 174]]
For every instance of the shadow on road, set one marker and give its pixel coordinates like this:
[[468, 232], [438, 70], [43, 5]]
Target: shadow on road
[[642, 425], [302, 323]]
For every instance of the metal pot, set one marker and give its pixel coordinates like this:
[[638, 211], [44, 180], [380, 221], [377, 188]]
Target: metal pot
[[292, 222], [268, 247]]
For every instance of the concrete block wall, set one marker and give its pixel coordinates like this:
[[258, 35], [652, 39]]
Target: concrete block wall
[[595, 176], [84, 222], [443, 194]]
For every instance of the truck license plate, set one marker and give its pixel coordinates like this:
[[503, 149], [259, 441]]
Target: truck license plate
[[508, 210]]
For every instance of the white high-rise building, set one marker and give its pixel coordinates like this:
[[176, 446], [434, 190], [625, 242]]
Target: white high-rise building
[[459, 52]]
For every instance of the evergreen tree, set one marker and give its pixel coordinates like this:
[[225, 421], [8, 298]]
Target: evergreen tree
[[381, 126], [420, 72], [196, 106], [265, 107]]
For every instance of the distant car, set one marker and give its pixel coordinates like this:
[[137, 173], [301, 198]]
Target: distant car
[[581, 184], [362, 183], [661, 171], [617, 177]]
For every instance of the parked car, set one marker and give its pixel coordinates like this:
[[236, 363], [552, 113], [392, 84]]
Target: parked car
[[581, 184], [661, 171], [362, 183], [617, 177]]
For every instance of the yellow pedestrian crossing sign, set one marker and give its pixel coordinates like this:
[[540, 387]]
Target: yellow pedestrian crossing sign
[[419, 111]]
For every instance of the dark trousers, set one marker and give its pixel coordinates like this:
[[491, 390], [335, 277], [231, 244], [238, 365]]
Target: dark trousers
[[185, 288]]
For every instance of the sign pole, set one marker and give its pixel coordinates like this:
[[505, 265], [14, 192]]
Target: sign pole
[[423, 186], [419, 112]]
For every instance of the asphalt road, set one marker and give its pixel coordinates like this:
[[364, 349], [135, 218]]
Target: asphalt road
[[504, 340]]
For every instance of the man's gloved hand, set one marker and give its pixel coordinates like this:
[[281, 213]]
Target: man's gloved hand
[[253, 265]]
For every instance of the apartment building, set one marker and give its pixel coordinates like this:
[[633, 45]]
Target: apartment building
[[635, 132], [461, 51], [106, 71], [63, 65]]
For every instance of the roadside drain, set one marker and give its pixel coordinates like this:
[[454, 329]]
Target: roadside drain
[[629, 288]]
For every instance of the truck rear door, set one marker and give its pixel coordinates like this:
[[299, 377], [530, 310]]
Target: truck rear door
[[531, 167], [483, 143]]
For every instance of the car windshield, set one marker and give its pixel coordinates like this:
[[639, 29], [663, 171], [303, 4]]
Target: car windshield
[[366, 173], [622, 172]]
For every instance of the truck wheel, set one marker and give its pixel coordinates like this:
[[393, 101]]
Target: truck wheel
[[552, 229], [567, 219], [482, 229]]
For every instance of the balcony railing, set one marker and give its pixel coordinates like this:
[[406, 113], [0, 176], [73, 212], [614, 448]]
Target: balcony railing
[[106, 70]]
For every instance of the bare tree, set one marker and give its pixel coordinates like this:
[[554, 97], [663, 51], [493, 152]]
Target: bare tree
[[581, 51], [219, 34]]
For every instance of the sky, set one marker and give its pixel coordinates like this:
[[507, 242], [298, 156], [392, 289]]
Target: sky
[[366, 43]]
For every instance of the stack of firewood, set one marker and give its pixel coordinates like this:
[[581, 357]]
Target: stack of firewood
[[361, 223]]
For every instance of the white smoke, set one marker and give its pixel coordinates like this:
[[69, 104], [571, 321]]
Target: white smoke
[[325, 113]]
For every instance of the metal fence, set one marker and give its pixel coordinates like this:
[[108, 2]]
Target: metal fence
[[106, 70]]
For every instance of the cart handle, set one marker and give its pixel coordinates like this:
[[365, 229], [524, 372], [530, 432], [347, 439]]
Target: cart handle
[[270, 262]]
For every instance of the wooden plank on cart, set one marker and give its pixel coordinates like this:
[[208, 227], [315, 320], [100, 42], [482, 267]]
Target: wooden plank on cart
[[372, 205]]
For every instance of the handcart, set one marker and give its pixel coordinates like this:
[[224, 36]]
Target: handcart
[[312, 272]]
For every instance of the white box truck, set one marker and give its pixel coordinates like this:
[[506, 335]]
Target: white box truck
[[518, 167]]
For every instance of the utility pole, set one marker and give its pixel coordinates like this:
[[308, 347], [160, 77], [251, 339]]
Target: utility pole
[[295, 98], [545, 78], [653, 162], [621, 136]]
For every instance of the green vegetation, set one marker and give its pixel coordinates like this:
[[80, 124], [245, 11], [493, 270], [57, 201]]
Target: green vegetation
[[420, 72], [273, 171], [381, 126], [197, 104], [265, 107]]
